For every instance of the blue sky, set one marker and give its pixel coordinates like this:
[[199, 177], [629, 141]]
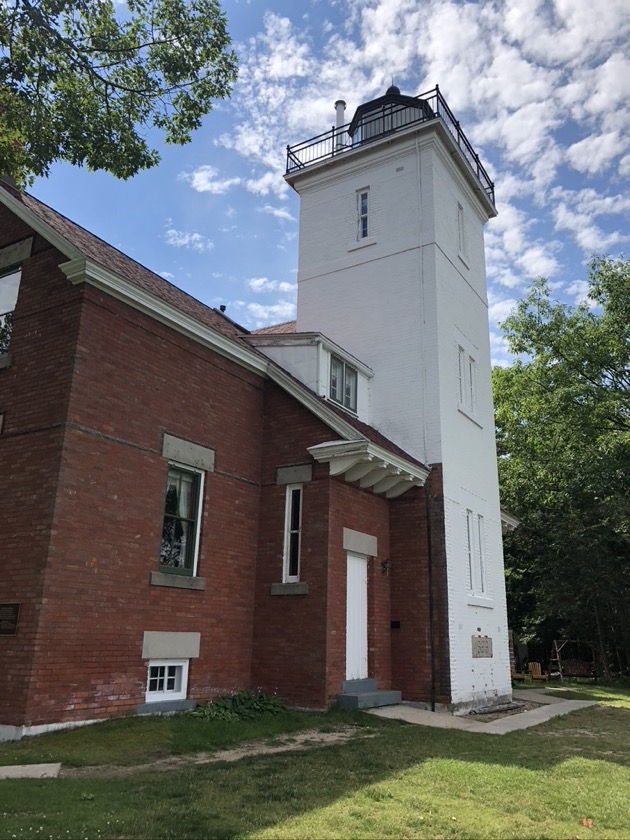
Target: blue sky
[[540, 88]]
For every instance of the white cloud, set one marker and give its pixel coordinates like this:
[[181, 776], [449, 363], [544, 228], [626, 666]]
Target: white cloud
[[499, 308], [188, 239], [278, 213], [275, 313], [262, 284], [594, 153], [204, 179]]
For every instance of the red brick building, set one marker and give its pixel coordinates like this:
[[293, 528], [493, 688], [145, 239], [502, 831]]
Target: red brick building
[[118, 390], [188, 509]]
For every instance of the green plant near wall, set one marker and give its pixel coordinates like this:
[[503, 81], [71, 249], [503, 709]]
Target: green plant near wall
[[243, 705]]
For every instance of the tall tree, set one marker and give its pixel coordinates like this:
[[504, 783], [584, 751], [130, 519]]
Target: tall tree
[[84, 80], [563, 436]]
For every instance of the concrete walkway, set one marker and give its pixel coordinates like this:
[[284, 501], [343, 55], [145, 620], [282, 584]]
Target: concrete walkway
[[30, 771], [549, 708]]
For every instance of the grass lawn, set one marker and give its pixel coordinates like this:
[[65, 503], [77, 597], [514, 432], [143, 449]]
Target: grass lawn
[[402, 782]]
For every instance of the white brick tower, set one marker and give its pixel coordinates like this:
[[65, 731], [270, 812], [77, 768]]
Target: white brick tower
[[392, 269]]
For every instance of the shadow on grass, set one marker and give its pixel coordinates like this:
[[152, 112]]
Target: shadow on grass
[[262, 792]]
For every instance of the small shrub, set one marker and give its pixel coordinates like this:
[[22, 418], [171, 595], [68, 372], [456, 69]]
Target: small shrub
[[243, 705]]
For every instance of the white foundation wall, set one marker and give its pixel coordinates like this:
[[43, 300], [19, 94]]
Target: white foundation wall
[[404, 302]]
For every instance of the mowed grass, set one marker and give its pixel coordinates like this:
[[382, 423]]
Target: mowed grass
[[403, 781]]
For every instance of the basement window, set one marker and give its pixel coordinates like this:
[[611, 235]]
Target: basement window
[[167, 679]]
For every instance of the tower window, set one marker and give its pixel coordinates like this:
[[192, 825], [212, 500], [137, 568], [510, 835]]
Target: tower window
[[477, 583], [467, 381], [343, 383], [461, 232], [362, 214]]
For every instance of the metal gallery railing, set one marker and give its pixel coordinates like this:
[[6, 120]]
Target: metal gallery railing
[[390, 118]]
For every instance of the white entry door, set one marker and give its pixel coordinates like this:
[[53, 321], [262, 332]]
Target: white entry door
[[356, 618]]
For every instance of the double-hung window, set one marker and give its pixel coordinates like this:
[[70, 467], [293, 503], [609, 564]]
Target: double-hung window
[[467, 381], [477, 580], [180, 527], [9, 285], [343, 383], [362, 214], [292, 533]]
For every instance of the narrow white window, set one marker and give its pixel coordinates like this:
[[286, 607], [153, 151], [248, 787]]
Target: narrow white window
[[292, 533], [461, 232], [470, 529], [167, 679], [362, 214], [466, 381], [481, 558], [476, 545]]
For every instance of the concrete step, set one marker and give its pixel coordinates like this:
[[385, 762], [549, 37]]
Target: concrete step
[[354, 686], [353, 700]]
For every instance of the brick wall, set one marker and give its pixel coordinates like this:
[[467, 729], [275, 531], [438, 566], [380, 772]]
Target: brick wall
[[34, 392], [420, 675], [91, 390]]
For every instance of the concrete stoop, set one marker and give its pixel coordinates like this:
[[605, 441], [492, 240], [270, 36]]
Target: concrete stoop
[[364, 694]]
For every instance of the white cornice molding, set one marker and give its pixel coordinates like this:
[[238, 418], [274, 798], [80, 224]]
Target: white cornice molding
[[83, 270], [371, 465]]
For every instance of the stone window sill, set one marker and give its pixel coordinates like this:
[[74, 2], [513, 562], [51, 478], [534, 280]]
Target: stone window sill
[[176, 581], [478, 601], [5, 360], [299, 588]]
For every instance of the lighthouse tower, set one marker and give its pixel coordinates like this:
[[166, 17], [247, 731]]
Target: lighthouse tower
[[392, 269]]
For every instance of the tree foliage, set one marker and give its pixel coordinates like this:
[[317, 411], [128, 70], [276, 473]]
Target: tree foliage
[[563, 437], [85, 80]]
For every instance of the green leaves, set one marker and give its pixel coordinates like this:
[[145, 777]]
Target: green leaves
[[85, 81], [563, 438], [243, 705]]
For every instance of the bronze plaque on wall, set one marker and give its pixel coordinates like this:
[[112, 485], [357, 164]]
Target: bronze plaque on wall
[[9, 617], [481, 647]]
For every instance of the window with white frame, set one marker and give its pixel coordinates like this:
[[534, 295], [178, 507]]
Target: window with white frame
[[179, 544], [362, 214], [467, 380], [461, 232], [167, 679], [9, 286], [292, 533], [343, 383], [477, 575]]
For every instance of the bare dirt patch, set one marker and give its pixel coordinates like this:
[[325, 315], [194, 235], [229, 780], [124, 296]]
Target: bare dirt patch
[[309, 739], [524, 706]]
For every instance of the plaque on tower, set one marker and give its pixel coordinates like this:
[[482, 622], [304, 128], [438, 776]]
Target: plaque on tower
[[482, 647]]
